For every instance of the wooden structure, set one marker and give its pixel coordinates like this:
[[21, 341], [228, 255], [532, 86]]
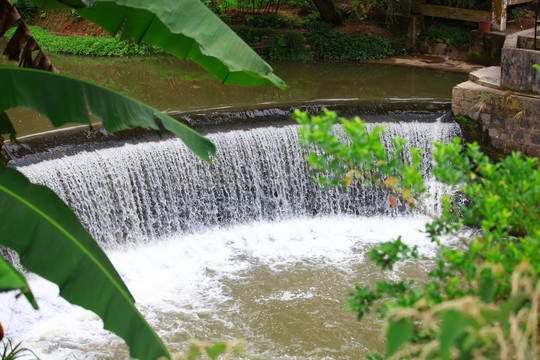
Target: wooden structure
[[497, 16]]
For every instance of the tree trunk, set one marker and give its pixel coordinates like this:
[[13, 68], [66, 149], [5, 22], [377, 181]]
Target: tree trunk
[[329, 11]]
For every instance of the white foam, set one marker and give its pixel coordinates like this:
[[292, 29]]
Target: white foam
[[183, 283]]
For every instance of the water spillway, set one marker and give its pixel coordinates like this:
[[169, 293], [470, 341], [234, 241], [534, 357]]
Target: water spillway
[[247, 247], [145, 191]]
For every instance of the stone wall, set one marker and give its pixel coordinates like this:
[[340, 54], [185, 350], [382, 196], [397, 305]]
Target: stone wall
[[501, 120]]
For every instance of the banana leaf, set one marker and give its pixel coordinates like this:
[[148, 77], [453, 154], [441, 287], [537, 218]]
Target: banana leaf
[[68, 100], [52, 243], [184, 28], [11, 279]]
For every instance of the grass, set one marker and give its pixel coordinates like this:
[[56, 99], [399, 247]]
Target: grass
[[89, 46]]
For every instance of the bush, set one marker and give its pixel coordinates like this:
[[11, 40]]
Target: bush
[[27, 10], [288, 45], [283, 45], [482, 298], [456, 35], [329, 43], [251, 34]]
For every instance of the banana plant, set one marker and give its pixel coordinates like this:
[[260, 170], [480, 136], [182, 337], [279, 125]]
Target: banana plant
[[39, 226]]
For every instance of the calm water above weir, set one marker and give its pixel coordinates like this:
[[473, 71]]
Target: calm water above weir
[[169, 84], [245, 248]]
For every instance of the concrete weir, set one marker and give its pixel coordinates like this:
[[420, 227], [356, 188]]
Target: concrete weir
[[499, 106]]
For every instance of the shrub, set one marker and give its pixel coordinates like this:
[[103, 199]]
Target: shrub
[[288, 45], [483, 295], [456, 35], [27, 10], [329, 43]]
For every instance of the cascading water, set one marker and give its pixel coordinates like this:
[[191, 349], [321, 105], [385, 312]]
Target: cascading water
[[139, 192], [246, 247]]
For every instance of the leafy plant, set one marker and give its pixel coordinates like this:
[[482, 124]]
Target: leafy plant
[[26, 9], [457, 36], [14, 352], [212, 351], [89, 46], [288, 45], [329, 43], [36, 223], [517, 14], [500, 202], [76, 16]]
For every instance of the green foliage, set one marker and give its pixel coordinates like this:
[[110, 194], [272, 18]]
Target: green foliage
[[52, 234], [362, 8], [271, 21], [283, 45], [51, 241], [15, 352], [175, 26], [329, 43], [288, 45], [11, 279], [253, 35], [517, 14], [537, 68], [227, 19], [89, 46], [26, 9], [212, 351], [502, 206], [75, 15], [304, 6], [69, 100], [457, 36]]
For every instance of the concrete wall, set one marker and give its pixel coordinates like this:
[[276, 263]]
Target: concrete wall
[[495, 120], [485, 47], [517, 72]]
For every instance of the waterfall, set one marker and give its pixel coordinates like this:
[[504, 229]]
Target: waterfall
[[143, 191]]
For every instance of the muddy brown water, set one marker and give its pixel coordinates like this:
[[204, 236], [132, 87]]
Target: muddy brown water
[[169, 84]]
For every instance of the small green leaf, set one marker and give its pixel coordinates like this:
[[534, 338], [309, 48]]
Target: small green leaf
[[487, 289], [11, 279], [215, 350], [509, 306], [452, 328], [398, 334], [193, 351]]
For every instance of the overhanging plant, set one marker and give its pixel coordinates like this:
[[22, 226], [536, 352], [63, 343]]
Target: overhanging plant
[[35, 222]]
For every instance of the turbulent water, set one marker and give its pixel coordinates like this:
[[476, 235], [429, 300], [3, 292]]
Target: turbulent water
[[246, 247], [139, 192]]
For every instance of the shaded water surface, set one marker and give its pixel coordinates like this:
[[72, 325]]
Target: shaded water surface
[[169, 84]]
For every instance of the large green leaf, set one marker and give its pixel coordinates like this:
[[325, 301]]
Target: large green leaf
[[52, 243], [68, 100], [11, 279], [184, 28], [6, 127]]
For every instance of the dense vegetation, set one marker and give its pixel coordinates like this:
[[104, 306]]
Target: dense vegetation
[[89, 45], [332, 44], [482, 300]]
